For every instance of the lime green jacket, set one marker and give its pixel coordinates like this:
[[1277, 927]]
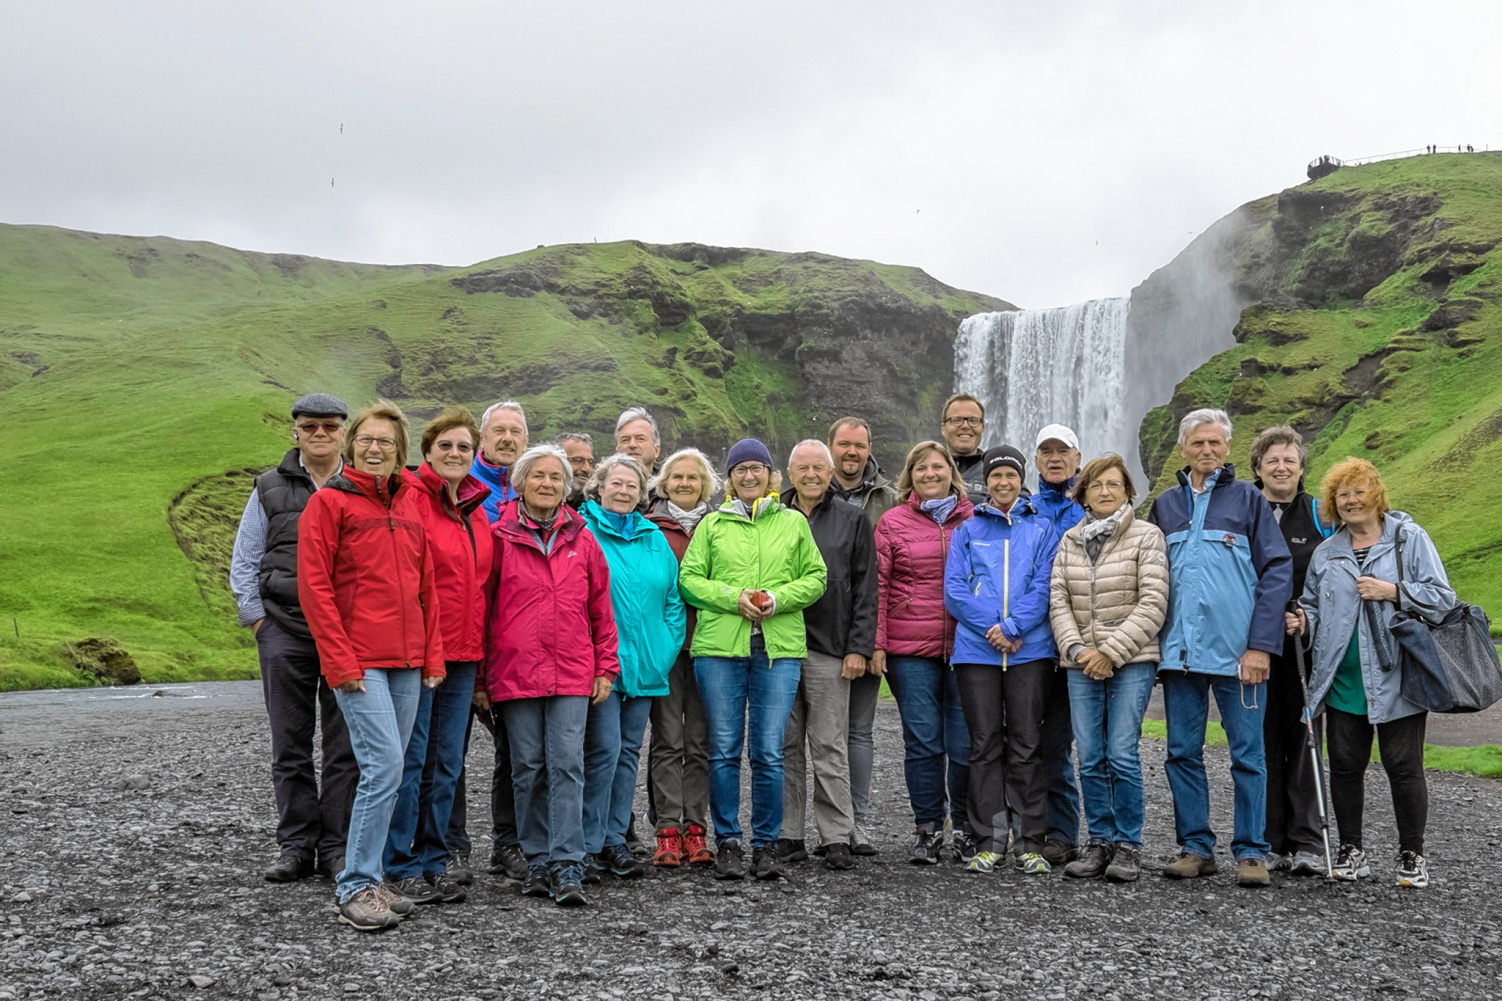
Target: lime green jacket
[[772, 551]]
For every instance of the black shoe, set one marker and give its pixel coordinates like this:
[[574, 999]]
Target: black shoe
[[449, 889], [456, 868], [536, 883], [927, 848], [330, 866], [764, 863], [790, 850], [1057, 853], [508, 861], [837, 855], [965, 846], [289, 869], [566, 884], [592, 869], [730, 862], [621, 863], [1092, 862], [418, 890]]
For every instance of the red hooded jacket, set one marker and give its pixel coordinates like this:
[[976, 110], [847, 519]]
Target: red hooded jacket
[[365, 577], [911, 548], [460, 545], [549, 623]]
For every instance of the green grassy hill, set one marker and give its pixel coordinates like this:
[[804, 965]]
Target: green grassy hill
[[144, 380], [1376, 330]]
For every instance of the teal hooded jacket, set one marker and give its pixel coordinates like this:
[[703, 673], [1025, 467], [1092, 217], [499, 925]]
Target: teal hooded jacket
[[649, 614]]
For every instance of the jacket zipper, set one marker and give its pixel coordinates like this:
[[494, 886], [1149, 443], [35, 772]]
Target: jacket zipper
[[396, 561]]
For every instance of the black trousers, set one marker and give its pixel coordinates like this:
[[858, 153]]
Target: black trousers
[[1004, 713], [1292, 800], [312, 821], [1401, 745], [502, 793]]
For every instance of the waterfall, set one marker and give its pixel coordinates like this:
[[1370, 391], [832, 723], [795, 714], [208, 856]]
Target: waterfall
[[1033, 367]]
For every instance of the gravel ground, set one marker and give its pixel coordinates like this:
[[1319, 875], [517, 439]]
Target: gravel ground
[[136, 828]]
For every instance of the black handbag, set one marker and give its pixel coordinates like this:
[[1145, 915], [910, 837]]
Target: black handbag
[[1451, 667]]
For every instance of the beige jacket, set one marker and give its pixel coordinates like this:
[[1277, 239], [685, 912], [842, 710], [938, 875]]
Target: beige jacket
[[1117, 605]]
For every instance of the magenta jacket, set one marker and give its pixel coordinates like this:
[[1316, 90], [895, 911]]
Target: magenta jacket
[[910, 552]]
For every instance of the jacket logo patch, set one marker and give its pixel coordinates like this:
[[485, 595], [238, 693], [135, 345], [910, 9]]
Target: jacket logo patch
[[1228, 540], [1298, 542]]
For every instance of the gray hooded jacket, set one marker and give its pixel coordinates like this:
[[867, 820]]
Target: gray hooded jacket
[[1334, 610]]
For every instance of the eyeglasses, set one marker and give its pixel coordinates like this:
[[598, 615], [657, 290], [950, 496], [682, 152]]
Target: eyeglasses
[[368, 441], [747, 470], [1106, 485], [463, 447], [312, 427], [580, 462], [960, 422]]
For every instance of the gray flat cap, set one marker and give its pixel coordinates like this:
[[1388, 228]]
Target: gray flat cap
[[320, 405]]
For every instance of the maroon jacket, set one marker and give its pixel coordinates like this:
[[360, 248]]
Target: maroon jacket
[[365, 577], [549, 624], [911, 620], [460, 545], [678, 543]]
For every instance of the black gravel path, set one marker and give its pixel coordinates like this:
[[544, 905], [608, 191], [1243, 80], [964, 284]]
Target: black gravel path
[[135, 830]]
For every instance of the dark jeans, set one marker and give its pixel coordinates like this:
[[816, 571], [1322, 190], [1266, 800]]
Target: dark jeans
[[502, 793], [936, 745], [311, 823], [415, 844], [1401, 745], [1004, 713], [1292, 800], [1058, 765]]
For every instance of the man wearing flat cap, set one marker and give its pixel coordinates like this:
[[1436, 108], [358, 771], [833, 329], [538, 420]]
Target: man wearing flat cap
[[312, 822]]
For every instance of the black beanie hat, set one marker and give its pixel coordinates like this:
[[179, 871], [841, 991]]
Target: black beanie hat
[[1005, 455]]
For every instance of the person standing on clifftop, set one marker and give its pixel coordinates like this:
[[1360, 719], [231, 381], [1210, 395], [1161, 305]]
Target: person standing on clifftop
[[963, 427], [311, 822]]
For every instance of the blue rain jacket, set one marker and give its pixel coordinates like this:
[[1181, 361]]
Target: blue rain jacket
[[998, 572]]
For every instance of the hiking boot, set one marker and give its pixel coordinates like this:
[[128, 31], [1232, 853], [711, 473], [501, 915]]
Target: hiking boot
[[536, 882], [1060, 852], [330, 866], [837, 855], [289, 869], [983, 862], [669, 854], [1413, 871], [592, 869], [1033, 864], [401, 905], [508, 861], [621, 863], [1126, 865], [927, 848], [765, 864], [1305, 864], [1190, 866], [860, 841], [450, 890], [790, 850], [965, 846], [1252, 873], [456, 868], [418, 890], [566, 884], [367, 911], [1092, 862], [1351, 863], [732, 861], [693, 847]]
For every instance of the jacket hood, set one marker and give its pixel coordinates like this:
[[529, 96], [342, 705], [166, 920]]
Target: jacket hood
[[871, 478], [381, 489], [1058, 491], [962, 510], [1227, 476], [472, 492], [762, 506]]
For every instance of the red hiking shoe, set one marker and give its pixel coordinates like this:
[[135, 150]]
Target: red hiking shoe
[[667, 855], [694, 847]]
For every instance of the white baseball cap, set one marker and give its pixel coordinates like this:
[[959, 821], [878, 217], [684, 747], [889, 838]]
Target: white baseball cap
[[1060, 432]]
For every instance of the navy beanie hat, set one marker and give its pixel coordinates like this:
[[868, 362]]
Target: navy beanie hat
[[748, 450], [1005, 455]]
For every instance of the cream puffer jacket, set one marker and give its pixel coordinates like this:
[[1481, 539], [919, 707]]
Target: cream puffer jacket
[[1115, 605]]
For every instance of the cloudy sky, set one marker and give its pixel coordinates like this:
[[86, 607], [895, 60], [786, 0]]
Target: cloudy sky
[[1045, 153]]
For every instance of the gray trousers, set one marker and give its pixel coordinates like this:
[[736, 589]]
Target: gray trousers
[[864, 692], [678, 763], [821, 717]]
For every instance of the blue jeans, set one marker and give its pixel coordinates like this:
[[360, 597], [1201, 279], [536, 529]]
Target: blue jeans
[[936, 743], [728, 687], [380, 722], [415, 845], [612, 756], [1107, 718], [1186, 706], [547, 769]]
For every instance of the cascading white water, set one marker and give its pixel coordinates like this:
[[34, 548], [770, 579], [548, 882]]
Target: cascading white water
[[1033, 367]]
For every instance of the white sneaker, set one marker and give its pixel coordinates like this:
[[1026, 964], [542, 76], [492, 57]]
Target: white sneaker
[[1413, 871], [1351, 863], [1306, 864]]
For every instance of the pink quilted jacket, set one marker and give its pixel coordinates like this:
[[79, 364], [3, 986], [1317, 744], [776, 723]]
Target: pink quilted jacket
[[910, 553]]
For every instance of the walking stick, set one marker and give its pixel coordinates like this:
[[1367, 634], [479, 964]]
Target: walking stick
[[1313, 744]]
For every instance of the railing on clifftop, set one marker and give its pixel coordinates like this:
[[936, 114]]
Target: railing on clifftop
[[1326, 165]]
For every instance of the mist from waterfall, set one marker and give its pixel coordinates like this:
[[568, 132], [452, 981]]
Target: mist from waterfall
[[1067, 365]]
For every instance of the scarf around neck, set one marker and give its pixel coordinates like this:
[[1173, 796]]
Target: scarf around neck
[[940, 508], [688, 520]]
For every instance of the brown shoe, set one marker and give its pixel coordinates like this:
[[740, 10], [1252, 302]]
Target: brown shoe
[[1190, 866], [1252, 872]]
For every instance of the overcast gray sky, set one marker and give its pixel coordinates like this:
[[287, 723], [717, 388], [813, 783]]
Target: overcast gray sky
[[1045, 153]]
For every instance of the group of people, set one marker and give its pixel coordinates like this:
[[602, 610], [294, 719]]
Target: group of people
[[565, 601]]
